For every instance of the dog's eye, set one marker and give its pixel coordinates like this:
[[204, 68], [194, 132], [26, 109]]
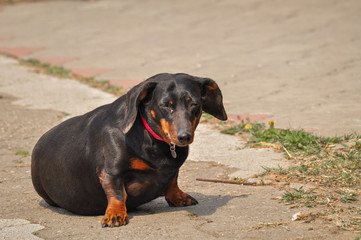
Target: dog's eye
[[194, 105], [168, 106]]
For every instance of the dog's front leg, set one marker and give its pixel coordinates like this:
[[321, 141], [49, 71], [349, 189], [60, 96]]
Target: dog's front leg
[[116, 212], [176, 197]]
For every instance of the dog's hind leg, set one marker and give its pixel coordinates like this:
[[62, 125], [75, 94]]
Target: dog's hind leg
[[40, 190]]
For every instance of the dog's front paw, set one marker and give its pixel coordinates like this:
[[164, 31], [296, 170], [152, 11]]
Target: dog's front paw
[[114, 218], [180, 199]]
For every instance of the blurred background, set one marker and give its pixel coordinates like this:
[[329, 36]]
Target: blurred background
[[295, 62]]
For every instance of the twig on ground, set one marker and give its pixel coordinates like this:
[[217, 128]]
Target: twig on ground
[[289, 154], [226, 181]]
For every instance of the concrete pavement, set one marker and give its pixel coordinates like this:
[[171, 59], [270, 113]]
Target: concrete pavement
[[294, 62], [36, 92]]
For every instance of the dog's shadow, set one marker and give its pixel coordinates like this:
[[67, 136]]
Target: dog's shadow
[[58, 210], [207, 205]]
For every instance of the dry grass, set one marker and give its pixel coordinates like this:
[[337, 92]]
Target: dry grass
[[331, 166]]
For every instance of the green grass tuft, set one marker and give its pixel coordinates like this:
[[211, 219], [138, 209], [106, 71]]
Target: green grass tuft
[[62, 72], [22, 153], [47, 68]]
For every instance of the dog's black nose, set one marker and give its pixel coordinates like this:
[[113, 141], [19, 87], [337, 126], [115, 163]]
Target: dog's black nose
[[184, 137]]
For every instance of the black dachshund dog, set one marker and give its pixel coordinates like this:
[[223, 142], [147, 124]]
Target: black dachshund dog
[[126, 153]]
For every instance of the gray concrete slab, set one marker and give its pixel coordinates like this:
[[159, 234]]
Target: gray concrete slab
[[18, 229]]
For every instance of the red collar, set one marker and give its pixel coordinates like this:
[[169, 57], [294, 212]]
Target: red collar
[[149, 129]]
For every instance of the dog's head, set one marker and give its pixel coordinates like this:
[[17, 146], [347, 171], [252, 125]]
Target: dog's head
[[172, 105]]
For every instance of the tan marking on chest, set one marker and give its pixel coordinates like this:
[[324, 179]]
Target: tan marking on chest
[[138, 164]]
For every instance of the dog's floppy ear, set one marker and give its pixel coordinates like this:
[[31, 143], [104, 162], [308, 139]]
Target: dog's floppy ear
[[132, 101], [212, 98]]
